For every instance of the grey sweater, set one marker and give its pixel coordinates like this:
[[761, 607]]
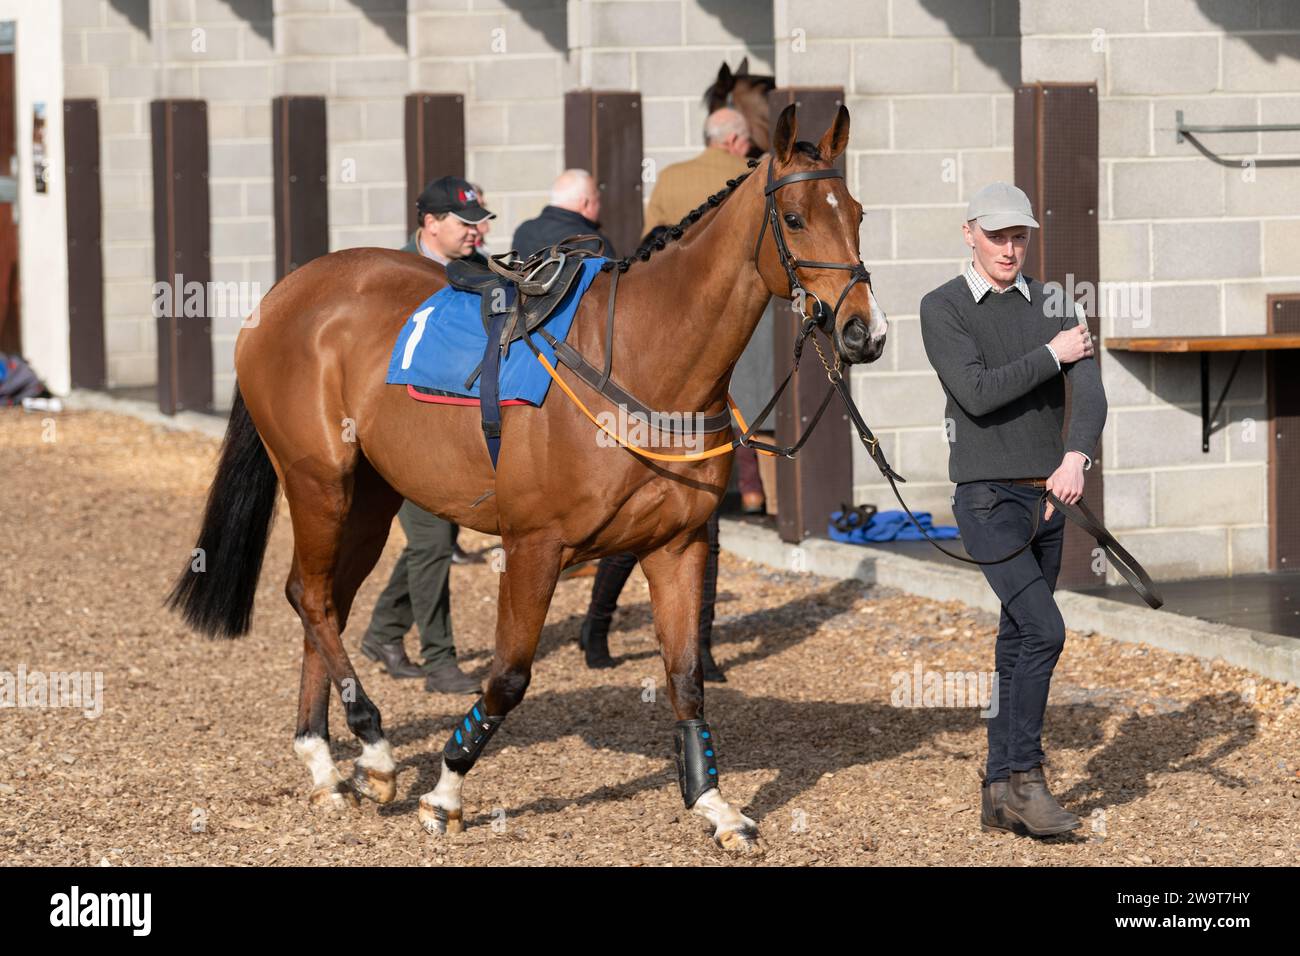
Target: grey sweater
[[1006, 396]]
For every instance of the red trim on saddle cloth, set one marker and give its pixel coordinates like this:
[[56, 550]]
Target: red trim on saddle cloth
[[454, 399]]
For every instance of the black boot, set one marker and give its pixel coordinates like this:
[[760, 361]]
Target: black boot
[[392, 657], [594, 640], [708, 666], [448, 678]]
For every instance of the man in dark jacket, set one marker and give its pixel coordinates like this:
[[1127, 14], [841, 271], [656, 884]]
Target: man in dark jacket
[[574, 210], [418, 592]]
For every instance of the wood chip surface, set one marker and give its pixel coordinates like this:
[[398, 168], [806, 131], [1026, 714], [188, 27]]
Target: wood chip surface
[[1169, 759]]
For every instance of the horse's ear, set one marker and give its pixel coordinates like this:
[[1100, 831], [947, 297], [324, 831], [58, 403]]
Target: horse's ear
[[835, 138], [743, 69], [783, 139], [724, 77]]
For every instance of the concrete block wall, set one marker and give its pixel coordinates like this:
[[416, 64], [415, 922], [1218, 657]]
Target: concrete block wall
[[354, 53], [108, 56], [670, 51], [1210, 241], [204, 49], [510, 59], [929, 85]]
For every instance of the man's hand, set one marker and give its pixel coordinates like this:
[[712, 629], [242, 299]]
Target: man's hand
[[1072, 344], [1066, 482]]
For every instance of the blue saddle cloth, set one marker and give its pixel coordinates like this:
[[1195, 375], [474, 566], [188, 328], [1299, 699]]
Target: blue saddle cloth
[[444, 340], [890, 526]]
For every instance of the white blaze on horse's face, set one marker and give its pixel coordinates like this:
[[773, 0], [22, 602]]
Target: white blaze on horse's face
[[832, 201], [879, 320]]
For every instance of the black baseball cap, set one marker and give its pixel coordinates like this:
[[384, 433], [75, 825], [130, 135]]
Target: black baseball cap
[[454, 195]]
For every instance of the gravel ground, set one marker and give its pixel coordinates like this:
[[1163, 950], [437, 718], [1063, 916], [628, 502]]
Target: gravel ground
[[1171, 760]]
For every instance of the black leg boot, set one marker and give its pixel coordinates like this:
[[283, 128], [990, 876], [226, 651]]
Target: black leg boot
[[594, 640], [611, 574], [708, 666], [708, 597]]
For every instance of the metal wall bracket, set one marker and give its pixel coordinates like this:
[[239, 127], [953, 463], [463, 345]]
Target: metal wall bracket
[[1208, 417], [1180, 128]]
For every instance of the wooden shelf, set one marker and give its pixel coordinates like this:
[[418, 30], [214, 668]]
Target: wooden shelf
[[1206, 343]]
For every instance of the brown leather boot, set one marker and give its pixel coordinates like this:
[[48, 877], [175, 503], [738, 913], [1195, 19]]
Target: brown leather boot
[[1031, 804], [993, 798]]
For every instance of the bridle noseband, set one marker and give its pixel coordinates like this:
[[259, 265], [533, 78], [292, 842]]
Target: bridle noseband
[[824, 317]]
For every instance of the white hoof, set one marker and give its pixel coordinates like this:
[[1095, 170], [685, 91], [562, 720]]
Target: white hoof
[[732, 830]]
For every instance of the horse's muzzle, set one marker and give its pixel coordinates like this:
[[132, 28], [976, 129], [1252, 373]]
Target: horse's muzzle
[[856, 344]]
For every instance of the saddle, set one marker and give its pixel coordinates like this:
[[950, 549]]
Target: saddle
[[526, 291]]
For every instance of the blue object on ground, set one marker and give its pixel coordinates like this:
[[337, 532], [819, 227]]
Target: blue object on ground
[[890, 526]]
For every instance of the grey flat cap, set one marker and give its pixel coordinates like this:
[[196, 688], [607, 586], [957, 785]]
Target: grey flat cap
[[999, 205]]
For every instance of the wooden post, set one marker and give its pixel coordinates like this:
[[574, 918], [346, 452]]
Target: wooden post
[[1056, 166], [602, 134], [181, 253], [435, 142], [11, 333], [85, 255], [301, 186], [1283, 377]]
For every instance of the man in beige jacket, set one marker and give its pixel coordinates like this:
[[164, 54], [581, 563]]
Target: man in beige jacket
[[680, 188], [683, 186]]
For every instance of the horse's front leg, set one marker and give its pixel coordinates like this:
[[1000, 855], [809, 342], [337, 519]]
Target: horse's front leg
[[527, 584], [676, 579]]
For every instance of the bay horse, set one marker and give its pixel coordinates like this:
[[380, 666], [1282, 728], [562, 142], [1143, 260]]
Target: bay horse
[[312, 414], [746, 93]]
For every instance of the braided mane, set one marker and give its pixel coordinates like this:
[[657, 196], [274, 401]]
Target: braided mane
[[673, 233]]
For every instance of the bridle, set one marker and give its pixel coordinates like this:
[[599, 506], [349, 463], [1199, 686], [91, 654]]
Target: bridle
[[824, 317]]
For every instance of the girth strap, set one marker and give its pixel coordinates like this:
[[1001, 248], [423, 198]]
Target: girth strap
[[489, 409]]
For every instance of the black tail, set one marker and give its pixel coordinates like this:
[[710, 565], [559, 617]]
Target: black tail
[[215, 592]]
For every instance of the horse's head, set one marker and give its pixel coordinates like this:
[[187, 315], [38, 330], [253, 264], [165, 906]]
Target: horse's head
[[807, 246], [747, 93]]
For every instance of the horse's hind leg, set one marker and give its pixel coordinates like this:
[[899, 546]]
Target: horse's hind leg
[[311, 740], [339, 533], [676, 578], [527, 585]]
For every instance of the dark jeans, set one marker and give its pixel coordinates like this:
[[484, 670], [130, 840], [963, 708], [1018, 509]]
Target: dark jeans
[[418, 592], [995, 518], [613, 571]]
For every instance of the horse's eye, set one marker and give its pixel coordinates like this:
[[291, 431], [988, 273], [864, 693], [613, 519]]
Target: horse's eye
[[793, 221]]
